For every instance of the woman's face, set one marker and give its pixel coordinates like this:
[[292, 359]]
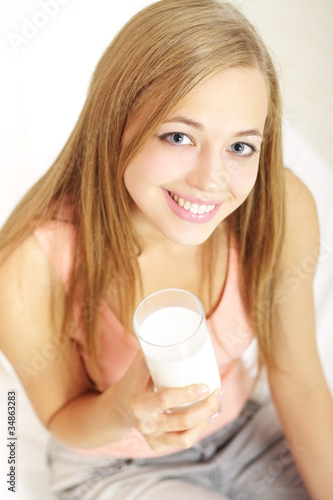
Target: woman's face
[[202, 162]]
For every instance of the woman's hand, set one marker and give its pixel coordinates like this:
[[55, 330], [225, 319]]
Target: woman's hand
[[147, 410]]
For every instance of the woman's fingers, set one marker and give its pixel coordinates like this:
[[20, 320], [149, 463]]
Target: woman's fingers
[[184, 419], [152, 416], [156, 403], [174, 440], [166, 399], [157, 414], [183, 439]]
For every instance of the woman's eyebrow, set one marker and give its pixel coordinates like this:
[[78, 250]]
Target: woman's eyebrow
[[185, 121], [199, 126], [252, 131]]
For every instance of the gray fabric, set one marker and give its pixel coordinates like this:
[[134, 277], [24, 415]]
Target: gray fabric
[[248, 459]]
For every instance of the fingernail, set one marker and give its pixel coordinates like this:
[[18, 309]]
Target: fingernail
[[213, 417], [220, 397], [203, 389]]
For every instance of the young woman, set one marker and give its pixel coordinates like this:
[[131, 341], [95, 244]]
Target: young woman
[[172, 177]]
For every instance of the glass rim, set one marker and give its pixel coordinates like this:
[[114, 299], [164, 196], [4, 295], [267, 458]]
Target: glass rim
[[202, 318]]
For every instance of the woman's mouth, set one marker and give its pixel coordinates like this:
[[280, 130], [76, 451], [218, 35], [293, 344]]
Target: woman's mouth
[[194, 208]]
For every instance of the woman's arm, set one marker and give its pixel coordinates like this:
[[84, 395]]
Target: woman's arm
[[299, 390], [55, 379]]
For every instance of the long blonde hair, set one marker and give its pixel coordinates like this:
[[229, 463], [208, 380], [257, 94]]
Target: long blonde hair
[[162, 53]]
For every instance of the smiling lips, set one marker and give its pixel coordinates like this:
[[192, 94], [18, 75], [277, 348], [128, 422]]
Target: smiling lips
[[194, 208]]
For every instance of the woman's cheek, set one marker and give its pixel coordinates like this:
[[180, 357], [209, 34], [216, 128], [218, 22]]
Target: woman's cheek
[[242, 179]]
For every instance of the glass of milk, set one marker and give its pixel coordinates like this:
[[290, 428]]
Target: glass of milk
[[171, 327]]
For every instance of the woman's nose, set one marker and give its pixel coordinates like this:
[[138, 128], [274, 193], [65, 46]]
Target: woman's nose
[[209, 175]]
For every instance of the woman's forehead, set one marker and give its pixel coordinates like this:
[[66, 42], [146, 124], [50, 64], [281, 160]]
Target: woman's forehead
[[239, 94]]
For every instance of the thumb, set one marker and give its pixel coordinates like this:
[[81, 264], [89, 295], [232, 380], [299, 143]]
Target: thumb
[[139, 370]]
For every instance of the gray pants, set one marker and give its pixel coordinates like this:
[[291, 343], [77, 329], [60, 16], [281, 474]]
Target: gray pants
[[248, 459]]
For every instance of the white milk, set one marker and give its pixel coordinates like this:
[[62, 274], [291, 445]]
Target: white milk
[[179, 350]]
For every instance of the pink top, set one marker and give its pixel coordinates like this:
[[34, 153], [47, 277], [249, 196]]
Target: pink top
[[228, 325]]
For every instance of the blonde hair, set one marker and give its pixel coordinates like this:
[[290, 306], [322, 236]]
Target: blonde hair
[[162, 53]]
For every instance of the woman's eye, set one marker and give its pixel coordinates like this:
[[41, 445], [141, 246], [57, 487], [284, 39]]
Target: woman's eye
[[242, 149], [178, 138]]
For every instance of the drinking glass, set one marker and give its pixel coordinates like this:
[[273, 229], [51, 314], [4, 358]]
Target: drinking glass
[[173, 333]]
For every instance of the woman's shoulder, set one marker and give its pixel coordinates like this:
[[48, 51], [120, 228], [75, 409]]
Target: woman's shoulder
[[32, 339], [302, 227], [26, 288], [30, 269], [297, 192], [25, 269], [57, 239]]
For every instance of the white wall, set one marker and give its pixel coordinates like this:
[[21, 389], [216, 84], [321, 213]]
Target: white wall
[[300, 34], [48, 51]]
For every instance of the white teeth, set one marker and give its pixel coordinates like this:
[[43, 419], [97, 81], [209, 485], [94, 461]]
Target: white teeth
[[192, 207]]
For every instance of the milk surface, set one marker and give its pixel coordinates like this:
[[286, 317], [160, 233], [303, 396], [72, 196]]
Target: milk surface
[[170, 325], [179, 351]]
